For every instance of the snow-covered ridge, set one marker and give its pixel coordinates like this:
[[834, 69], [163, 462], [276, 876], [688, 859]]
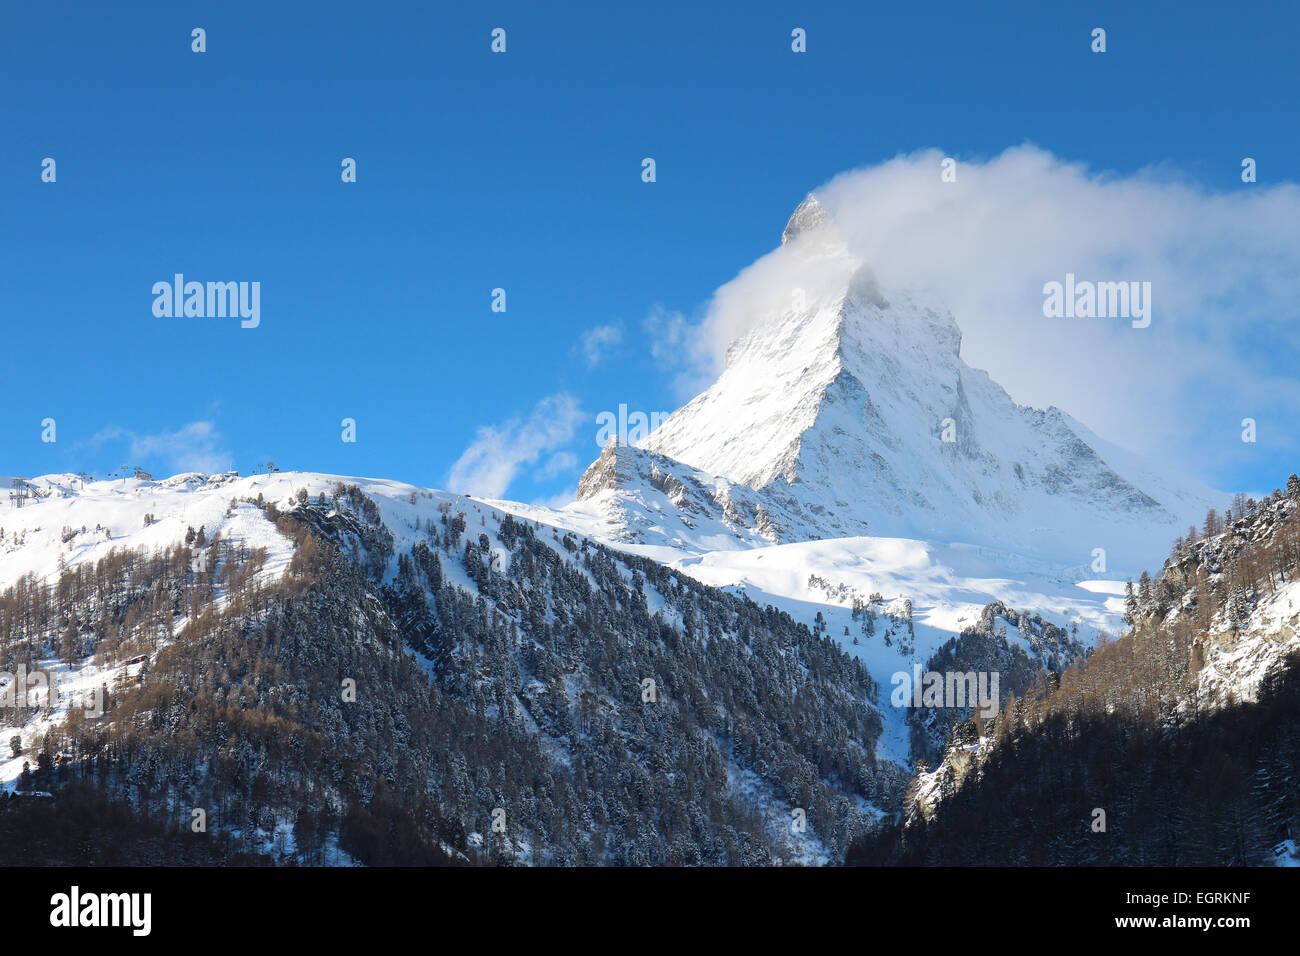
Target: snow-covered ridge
[[645, 498], [72, 522]]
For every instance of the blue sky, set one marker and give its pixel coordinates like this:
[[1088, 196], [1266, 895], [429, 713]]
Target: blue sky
[[520, 171]]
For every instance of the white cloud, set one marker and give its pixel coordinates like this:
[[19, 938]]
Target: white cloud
[[193, 447], [489, 465], [558, 464], [596, 343], [1224, 266], [681, 348]]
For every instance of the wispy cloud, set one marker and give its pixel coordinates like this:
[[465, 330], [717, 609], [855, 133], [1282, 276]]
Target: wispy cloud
[[596, 343], [491, 463], [679, 348], [193, 447], [558, 464]]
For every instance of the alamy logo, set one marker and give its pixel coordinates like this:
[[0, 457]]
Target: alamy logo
[[1099, 300], [212, 300], [25, 690], [628, 429], [950, 689], [74, 909]]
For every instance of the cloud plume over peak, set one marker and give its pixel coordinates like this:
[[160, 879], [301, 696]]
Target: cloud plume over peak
[[1224, 268]]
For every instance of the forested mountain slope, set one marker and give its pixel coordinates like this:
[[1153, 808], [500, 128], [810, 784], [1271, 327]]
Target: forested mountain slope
[[412, 677], [1177, 744]]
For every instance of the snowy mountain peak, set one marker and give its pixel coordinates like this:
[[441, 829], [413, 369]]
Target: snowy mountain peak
[[850, 408], [808, 216]]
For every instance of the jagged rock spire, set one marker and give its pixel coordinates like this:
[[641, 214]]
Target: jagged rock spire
[[807, 217]]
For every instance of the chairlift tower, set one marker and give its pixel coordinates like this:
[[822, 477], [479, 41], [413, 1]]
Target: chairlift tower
[[20, 492]]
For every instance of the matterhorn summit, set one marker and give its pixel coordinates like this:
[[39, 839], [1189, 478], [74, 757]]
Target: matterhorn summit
[[808, 217], [847, 408]]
